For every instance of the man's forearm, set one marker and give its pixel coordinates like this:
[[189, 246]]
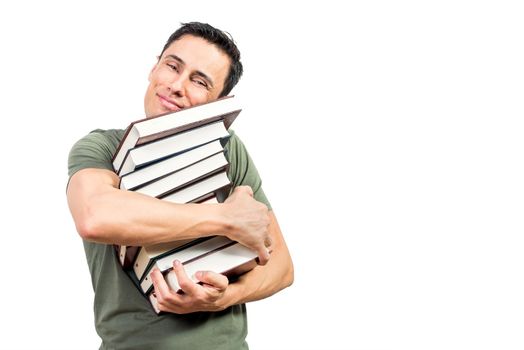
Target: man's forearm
[[264, 281], [106, 214]]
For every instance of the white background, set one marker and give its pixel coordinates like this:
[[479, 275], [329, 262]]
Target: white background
[[388, 135]]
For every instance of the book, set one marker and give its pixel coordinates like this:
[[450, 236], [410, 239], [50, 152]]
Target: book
[[232, 260], [187, 254], [217, 185], [126, 255], [154, 303], [169, 165], [170, 183], [147, 253], [160, 149], [211, 200], [146, 130]]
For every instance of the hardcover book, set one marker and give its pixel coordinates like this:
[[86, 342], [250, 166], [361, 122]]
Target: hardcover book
[[189, 253], [146, 130], [232, 260], [170, 146], [169, 165], [193, 173]]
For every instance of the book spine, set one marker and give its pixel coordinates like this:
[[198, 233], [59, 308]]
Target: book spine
[[127, 255]]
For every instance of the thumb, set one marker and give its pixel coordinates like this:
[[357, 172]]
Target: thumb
[[214, 279], [263, 256], [245, 189]]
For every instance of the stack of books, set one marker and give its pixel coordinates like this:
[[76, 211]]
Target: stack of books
[[179, 157]]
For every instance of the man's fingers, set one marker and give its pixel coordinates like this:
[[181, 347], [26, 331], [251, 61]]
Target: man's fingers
[[185, 283], [216, 280], [263, 256], [246, 189], [263, 253], [159, 283]]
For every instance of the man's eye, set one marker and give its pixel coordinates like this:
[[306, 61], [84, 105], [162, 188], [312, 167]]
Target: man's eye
[[173, 67], [201, 82]]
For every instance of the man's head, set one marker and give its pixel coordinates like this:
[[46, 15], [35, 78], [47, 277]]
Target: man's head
[[221, 40], [198, 64]]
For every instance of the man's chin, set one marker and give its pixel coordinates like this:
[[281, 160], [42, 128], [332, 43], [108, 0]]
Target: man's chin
[[157, 112]]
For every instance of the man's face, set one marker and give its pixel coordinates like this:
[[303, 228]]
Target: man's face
[[191, 71]]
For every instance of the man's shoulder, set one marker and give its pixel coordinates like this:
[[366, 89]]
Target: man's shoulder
[[101, 138], [108, 134], [94, 150]]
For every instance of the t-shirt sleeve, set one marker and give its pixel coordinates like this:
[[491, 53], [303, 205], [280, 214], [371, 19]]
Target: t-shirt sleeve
[[242, 170], [94, 150]]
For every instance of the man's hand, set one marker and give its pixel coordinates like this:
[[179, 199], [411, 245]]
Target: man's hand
[[250, 222], [196, 297]]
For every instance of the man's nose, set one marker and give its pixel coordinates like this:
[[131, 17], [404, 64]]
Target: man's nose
[[177, 86]]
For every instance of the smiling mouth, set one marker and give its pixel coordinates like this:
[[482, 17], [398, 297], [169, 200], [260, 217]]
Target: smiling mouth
[[169, 105]]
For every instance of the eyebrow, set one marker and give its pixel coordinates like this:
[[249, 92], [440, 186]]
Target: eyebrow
[[198, 72]]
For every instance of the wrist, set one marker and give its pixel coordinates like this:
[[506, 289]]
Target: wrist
[[232, 295], [225, 221]]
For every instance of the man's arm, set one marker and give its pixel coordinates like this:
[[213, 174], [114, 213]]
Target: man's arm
[[215, 294], [264, 281], [105, 214]]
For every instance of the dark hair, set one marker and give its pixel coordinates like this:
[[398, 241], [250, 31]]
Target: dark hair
[[220, 39]]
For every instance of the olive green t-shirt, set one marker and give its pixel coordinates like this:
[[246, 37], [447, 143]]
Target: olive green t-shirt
[[124, 319]]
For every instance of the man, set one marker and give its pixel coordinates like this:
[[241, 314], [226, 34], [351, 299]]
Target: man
[[198, 64]]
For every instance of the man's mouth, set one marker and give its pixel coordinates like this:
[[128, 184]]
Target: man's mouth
[[168, 104]]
